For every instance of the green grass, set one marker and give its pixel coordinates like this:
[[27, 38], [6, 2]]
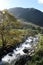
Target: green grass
[[37, 59], [14, 36]]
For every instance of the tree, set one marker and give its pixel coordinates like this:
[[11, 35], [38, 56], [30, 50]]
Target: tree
[[6, 20]]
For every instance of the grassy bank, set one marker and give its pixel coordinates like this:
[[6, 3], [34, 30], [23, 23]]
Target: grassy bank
[[37, 59]]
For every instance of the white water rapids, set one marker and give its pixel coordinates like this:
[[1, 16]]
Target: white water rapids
[[18, 52]]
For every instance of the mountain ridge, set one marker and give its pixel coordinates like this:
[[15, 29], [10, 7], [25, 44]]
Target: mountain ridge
[[28, 14]]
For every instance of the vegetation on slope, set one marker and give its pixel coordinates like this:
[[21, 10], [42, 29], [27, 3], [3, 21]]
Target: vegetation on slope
[[37, 59], [12, 31]]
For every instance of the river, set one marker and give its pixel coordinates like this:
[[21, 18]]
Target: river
[[26, 48]]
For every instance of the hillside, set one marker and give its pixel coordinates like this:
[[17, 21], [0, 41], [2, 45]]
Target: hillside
[[28, 14], [14, 32]]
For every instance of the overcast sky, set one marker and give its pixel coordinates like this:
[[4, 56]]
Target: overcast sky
[[5, 4]]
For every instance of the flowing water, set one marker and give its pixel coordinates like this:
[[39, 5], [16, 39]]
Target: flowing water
[[19, 51]]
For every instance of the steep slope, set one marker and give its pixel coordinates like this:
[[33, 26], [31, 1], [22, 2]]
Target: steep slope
[[28, 14]]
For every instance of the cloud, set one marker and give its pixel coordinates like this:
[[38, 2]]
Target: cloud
[[42, 10], [40, 1]]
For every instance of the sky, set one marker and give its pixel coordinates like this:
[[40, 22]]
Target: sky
[[6, 4]]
